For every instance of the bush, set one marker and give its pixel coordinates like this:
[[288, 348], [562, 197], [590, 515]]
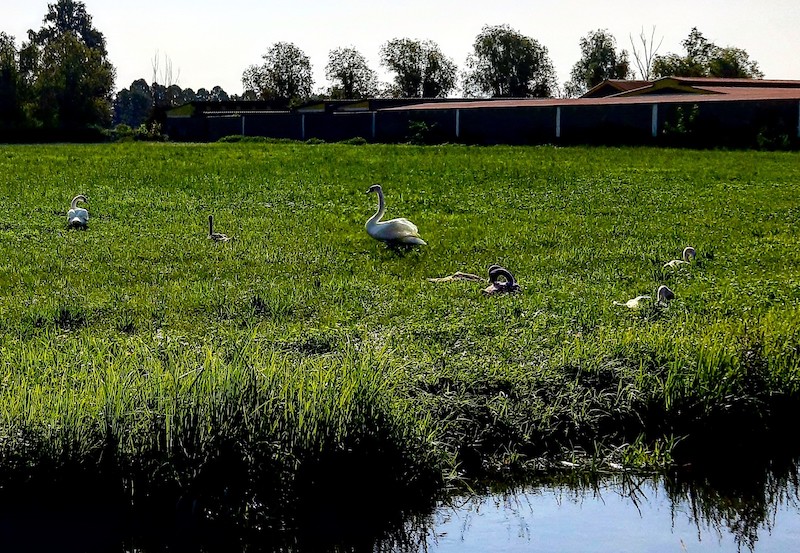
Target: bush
[[355, 141], [144, 132]]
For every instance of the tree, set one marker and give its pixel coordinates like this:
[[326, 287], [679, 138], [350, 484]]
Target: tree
[[11, 84], [506, 63], [644, 58], [284, 77], [421, 69], [705, 59], [350, 75], [732, 62], [218, 94], [165, 74], [133, 106], [143, 103], [599, 62], [67, 63], [69, 16]]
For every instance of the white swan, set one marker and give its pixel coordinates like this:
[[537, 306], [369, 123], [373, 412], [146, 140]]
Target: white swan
[[78, 217], [216, 236], [663, 295], [688, 255], [496, 286], [634, 303], [395, 232]]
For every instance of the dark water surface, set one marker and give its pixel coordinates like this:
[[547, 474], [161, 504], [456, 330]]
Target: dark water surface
[[720, 508]]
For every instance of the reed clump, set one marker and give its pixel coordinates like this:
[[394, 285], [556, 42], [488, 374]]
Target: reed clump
[[229, 429]]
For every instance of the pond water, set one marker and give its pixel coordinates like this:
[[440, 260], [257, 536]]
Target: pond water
[[726, 509], [617, 514]]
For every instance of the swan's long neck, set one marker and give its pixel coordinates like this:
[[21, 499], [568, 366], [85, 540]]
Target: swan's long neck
[[210, 225], [74, 203], [381, 209]]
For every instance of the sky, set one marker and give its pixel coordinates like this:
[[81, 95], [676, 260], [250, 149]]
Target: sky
[[210, 43]]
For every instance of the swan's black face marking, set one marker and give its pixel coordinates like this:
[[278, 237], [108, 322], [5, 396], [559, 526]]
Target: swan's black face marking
[[373, 188]]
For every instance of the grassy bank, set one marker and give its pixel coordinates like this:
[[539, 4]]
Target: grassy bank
[[303, 348]]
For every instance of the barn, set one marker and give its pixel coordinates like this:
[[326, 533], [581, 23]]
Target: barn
[[701, 112]]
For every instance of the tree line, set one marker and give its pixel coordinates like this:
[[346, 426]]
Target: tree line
[[61, 77]]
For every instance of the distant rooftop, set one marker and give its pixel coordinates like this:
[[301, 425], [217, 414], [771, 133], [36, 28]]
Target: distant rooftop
[[678, 89]]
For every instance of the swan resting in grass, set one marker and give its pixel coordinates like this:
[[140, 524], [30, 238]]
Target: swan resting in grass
[[634, 303], [496, 286], [78, 217], [688, 255], [395, 232], [501, 281], [663, 295], [215, 236]]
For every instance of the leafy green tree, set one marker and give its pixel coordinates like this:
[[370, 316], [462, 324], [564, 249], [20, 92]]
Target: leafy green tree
[[133, 106], [138, 104], [599, 61], [421, 69], [284, 77], [67, 64], [69, 16], [350, 75], [705, 59], [218, 94], [11, 84], [506, 63], [732, 62]]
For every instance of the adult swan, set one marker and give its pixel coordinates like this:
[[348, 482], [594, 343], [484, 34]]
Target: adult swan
[[77, 217], [395, 232]]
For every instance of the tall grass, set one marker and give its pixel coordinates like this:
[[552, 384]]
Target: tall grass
[[229, 425]]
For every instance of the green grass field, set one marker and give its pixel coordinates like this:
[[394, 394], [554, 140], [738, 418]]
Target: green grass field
[[141, 350]]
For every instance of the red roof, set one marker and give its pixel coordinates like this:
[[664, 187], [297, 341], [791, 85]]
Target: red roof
[[668, 89], [614, 86]]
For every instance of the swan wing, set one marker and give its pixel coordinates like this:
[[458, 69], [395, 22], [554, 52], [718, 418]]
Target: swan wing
[[406, 223], [393, 230], [77, 212], [674, 263]]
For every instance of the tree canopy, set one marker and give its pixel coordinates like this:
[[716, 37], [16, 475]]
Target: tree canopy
[[284, 77], [420, 68], [350, 75], [11, 84], [143, 104], [705, 59], [506, 63], [599, 61], [67, 79]]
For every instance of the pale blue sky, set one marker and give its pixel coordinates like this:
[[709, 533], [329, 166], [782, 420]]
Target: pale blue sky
[[211, 42]]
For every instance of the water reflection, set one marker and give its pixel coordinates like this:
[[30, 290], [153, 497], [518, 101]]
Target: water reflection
[[730, 507]]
